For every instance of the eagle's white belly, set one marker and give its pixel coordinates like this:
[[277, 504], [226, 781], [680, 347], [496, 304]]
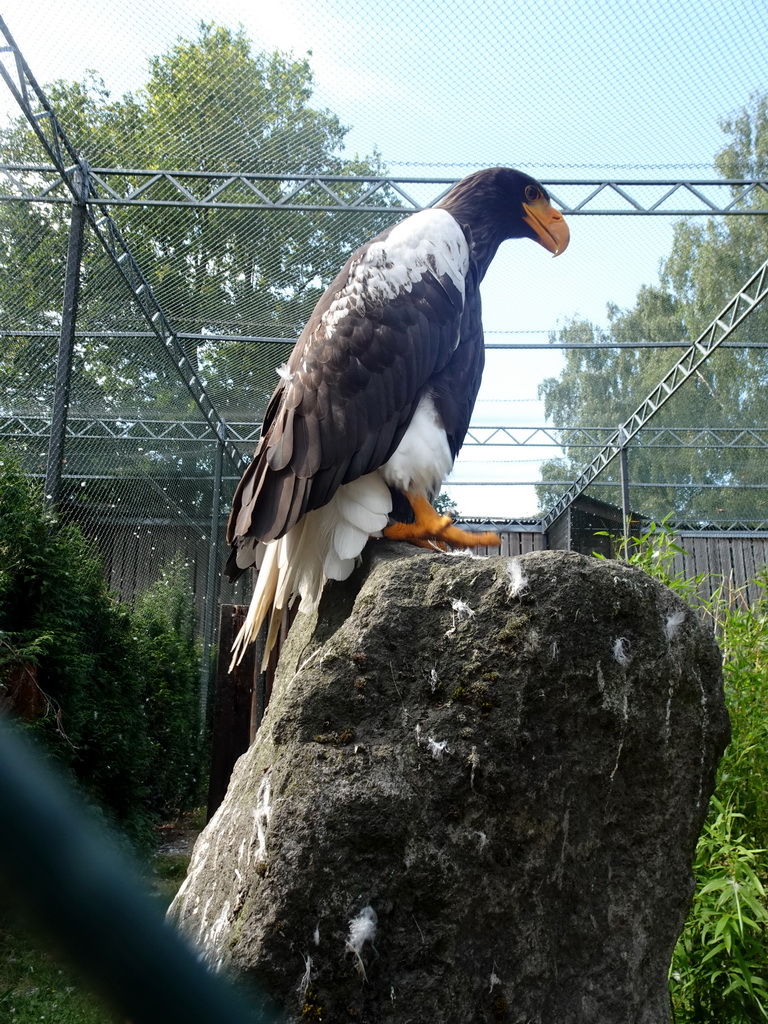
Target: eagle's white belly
[[423, 458]]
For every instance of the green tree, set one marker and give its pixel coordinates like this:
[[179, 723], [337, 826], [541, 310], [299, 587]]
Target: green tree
[[210, 104], [602, 387]]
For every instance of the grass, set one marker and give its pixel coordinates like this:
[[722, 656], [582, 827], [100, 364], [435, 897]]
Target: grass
[[35, 985], [169, 873]]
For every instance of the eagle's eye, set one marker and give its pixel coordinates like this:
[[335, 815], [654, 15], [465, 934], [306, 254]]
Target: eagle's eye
[[531, 193]]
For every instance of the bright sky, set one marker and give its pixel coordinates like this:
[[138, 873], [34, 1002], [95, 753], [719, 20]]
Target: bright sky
[[440, 87]]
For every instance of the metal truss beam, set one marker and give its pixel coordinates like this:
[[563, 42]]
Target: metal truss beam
[[267, 339], [113, 186], [597, 437], [123, 429], [733, 313], [615, 484], [157, 478], [73, 171], [714, 528], [103, 428], [722, 529]]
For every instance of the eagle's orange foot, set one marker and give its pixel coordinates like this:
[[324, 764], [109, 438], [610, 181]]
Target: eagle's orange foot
[[433, 530]]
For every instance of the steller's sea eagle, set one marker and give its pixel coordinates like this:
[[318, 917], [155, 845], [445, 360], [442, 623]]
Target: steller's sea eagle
[[373, 404]]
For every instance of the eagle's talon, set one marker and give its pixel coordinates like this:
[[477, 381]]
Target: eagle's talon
[[432, 530]]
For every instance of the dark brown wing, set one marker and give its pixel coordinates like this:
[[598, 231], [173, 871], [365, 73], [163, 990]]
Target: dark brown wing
[[454, 389], [351, 386]]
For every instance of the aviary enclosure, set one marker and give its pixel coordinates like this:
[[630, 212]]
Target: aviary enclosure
[[179, 184], [169, 223]]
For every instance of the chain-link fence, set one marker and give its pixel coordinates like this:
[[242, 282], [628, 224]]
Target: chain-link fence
[[215, 202]]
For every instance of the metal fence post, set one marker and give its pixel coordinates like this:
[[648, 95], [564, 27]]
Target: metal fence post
[[626, 512], [211, 589], [57, 441]]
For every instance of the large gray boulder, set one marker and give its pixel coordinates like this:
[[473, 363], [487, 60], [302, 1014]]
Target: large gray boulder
[[474, 798]]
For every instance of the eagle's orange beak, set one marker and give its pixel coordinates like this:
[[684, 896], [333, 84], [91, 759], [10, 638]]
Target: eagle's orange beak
[[549, 225]]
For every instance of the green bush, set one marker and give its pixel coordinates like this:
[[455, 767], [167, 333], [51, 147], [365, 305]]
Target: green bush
[[744, 769], [718, 967], [719, 972], [169, 656], [116, 715]]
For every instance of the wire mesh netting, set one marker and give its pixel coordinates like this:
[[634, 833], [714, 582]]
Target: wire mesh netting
[[233, 162], [701, 456]]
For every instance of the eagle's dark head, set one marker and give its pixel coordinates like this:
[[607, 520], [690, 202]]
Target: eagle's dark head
[[500, 203]]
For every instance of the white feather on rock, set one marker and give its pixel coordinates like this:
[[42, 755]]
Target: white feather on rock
[[362, 929]]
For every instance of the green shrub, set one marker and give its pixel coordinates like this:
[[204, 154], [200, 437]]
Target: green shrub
[[57, 614], [719, 971], [170, 658], [743, 778], [719, 962], [114, 684]]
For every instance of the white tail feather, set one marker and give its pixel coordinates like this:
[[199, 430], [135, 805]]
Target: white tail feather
[[348, 540], [323, 545], [261, 602], [335, 568]]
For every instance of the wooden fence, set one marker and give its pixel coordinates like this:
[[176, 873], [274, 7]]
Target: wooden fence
[[731, 561], [728, 560], [514, 539], [135, 552]]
